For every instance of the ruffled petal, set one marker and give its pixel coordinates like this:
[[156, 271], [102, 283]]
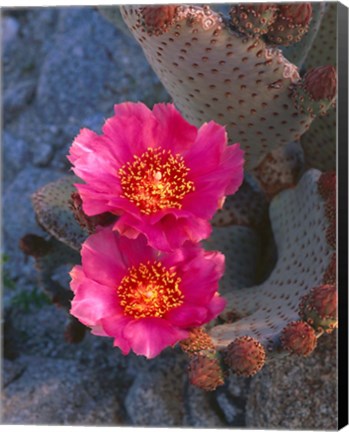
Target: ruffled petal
[[149, 336], [187, 315], [103, 259], [93, 301], [177, 134], [114, 326]]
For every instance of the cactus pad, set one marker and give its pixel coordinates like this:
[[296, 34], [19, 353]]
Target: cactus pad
[[52, 207], [299, 223], [215, 73]]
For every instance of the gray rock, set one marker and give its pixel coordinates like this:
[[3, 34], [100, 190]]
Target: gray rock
[[17, 97], [296, 393], [60, 392], [11, 371], [156, 397], [201, 412], [15, 157], [9, 30], [43, 154], [90, 67], [19, 217], [231, 399]]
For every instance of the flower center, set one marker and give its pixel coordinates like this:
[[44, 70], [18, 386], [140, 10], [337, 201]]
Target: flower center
[[155, 180], [149, 290]]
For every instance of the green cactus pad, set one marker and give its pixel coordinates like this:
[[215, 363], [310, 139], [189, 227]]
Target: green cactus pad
[[299, 226], [214, 73], [51, 205]]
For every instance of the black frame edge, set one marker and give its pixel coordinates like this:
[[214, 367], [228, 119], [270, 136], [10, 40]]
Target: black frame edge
[[342, 252]]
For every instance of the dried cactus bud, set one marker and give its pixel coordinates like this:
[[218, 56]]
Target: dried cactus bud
[[253, 19], [298, 338], [158, 18], [291, 23], [34, 245], [205, 372], [197, 341], [316, 92], [74, 331], [319, 308], [245, 356], [88, 222], [327, 184]]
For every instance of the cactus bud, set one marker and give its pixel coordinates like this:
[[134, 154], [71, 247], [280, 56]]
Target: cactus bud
[[316, 92], [298, 338], [291, 23], [319, 308], [245, 356], [88, 222], [253, 19], [198, 341], [321, 83], [205, 372], [327, 184], [157, 19], [34, 245], [74, 331]]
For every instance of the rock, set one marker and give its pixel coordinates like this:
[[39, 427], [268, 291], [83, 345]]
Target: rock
[[11, 371], [89, 68], [16, 155], [231, 399], [19, 218], [60, 392], [9, 29], [43, 154], [17, 97], [296, 393], [156, 397], [200, 409]]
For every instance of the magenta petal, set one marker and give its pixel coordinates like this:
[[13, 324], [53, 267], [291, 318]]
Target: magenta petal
[[114, 326], [216, 306], [93, 301], [187, 315], [177, 134], [149, 336], [102, 258]]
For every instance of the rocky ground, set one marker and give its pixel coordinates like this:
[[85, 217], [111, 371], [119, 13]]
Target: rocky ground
[[64, 69]]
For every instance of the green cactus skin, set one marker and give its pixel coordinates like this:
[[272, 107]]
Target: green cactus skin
[[52, 207], [214, 73]]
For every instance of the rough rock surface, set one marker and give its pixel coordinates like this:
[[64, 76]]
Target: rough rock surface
[[291, 394]]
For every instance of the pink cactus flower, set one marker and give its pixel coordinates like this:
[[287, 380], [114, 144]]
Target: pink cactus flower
[[164, 177], [144, 299]]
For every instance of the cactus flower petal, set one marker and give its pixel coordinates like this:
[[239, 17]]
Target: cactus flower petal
[[146, 300], [164, 177]]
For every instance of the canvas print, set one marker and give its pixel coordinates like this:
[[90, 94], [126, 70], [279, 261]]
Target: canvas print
[[169, 215]]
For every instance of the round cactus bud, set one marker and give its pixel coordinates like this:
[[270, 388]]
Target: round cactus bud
[[316, 92], [205, 372], [319, 308], [157, 19], [198, 341], [327, 184], [253, 19], [245, 356], [34, 245], [291, 23], [299, 338], [321, 83]]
